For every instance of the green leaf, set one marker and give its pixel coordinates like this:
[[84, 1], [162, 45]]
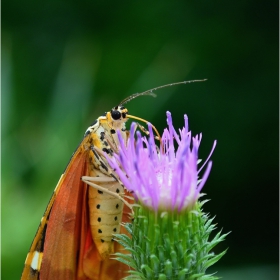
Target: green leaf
[[215, 259], [155, 264], [168, 268], [182, 274], [149, 272], [195, 276]]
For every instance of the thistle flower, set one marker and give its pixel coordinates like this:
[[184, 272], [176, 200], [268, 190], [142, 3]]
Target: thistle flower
[[163, 178], [169, 235]]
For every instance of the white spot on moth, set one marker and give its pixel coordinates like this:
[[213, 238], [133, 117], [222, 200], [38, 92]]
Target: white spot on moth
[[36, 260]]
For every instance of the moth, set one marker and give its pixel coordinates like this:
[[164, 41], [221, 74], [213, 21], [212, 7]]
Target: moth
[[75, 238]]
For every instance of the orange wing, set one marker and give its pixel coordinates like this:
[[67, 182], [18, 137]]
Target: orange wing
[[63, 247], [63, 234], [68, 183]]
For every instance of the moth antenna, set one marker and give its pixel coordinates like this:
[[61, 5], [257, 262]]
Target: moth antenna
[[150, 91]]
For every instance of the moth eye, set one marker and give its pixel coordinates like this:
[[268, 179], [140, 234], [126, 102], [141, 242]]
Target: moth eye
[[116, 115]]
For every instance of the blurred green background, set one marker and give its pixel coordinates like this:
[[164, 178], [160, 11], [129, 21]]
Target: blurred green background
[[66, 62]]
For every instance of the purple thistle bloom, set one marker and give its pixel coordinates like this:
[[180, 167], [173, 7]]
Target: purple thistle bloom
[[162, 178]]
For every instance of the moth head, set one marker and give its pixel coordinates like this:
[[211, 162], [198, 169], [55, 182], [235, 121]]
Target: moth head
[[119, 114]]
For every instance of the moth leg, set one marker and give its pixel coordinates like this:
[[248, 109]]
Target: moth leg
[[101, 158], [89, 180], [144, 130], [108, 169]]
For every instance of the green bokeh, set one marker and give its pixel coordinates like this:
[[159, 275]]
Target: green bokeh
[[66, 62]]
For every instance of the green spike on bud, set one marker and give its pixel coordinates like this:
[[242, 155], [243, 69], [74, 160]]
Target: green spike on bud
[[169, 245]]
